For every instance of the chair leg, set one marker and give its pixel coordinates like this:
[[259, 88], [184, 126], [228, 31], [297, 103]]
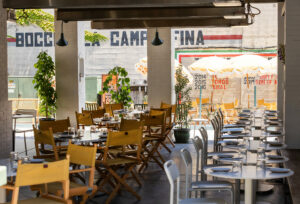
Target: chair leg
[[170, 140], [136, 178], [121, 181], [166, 147]]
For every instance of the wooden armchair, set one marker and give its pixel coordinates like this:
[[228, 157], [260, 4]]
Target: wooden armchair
[[82, 160], [45, 137], [33, 174], [83, 120], [125, 162]]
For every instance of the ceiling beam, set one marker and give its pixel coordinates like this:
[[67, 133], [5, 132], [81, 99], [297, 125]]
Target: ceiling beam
[[146, 13], [81, 4], [208, 22]]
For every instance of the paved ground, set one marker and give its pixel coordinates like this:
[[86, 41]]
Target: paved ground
[[155, 188]]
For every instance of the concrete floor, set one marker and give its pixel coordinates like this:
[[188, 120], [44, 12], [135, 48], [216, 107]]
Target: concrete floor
[[155, 186]]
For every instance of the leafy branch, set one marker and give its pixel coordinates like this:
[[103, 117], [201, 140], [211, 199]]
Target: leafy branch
[[120, 94], [45, 20]]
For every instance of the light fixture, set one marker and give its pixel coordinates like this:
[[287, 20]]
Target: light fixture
[[62, 41], [235, 17], [223, 3], [157, 41]]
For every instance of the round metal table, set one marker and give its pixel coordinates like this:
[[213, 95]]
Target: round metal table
[[251, 175]]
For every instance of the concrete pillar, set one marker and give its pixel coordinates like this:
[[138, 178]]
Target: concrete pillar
[[5, 105], [69, 60], [159, 68], [292, 88], [280, 67]]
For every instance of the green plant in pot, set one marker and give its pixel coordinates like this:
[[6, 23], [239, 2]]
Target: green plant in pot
[[120, 93], [184, 104], [44, 84]]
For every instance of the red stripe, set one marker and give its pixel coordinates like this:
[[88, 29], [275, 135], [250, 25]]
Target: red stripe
[[225, 55], [11, 40], [223, 37]]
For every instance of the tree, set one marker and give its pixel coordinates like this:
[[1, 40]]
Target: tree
[[44, 83], [121, 94], [45, 21]]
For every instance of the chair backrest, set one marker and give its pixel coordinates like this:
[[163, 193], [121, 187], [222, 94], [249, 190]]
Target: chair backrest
[[99, 113], [130, 124], [32, 174], [261, 102], [188, 163], [157, 120], [215, 127], [173, 108], [44, 137], [203, 100], [110, 108], [220, 112], [124, 138], [173, 176], [83, 155], [26, 111], [198, 145], [204, 138], [168, 113], [83, 119], [56, 125]]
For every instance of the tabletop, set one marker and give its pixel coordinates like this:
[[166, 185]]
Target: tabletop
[[88, 137], [255, 144], [247, 172], [251, 159]]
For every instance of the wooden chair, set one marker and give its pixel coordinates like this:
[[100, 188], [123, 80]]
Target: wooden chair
[[45, 137], [110, 108], [152, 140], [33, 174], [95, 113], [80, 156], [168, 123], [83, 120], [126, 162], [56, 125]]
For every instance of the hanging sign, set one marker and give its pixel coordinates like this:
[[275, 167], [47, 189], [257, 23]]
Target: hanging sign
[[200, 81]]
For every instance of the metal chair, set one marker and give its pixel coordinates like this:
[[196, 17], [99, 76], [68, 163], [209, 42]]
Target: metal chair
[[191, 186], [173, 176]]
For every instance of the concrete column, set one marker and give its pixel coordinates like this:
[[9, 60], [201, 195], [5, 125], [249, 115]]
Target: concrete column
[[5, 105], [280, 67], [69, 60], [292, 89], [159, 68]]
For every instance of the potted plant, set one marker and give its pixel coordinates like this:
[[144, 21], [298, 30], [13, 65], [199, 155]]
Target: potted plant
[[44, 84], [120, 92], [184, 104]]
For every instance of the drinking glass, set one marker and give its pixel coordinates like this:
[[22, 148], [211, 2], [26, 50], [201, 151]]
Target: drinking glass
[[80, 132], [261, 164], [260, 153], [237, 166]]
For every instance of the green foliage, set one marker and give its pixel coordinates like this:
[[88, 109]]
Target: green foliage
[[121, 95], [44, 83], [45, 21], [94, 37], [35, 16], [183, 98]]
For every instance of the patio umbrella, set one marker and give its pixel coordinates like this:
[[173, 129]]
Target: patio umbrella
[[250, 65], [208, 66]]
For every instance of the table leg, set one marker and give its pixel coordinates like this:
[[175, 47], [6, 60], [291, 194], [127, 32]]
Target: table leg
[[250, 191], [237, 191]]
